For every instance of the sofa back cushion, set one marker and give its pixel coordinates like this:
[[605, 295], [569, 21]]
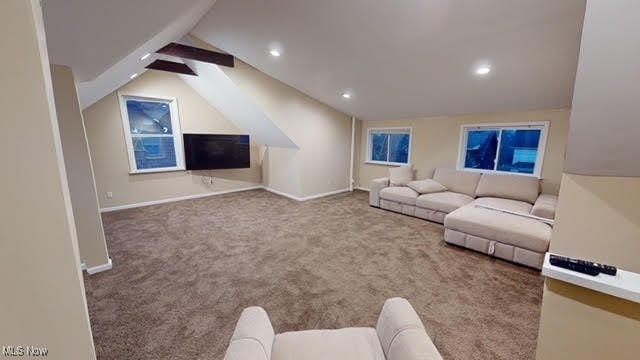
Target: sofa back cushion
[[463, 182], [401, 175], [514, 187], [421, 174]]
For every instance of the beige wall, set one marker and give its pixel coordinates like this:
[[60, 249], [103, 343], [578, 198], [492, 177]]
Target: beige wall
[[597, 219], [93, 248], [42, 302], [322, 133], [436, 140], [103, 123]]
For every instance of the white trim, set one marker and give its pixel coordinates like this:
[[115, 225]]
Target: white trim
[[542, 145], [310, 197], [389, 130], [363, 188], [625, 284], [176, 134], [83, 267], [385, 163], [179, 198], [197, 196], [278, 192], [317, 196], [100, 268], [353, 152]]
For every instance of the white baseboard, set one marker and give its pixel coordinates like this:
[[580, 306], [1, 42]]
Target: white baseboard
[[197, 196], [310, 197], [317, 196], [363, 188], [96, 269], [179, 198], [278, 192]]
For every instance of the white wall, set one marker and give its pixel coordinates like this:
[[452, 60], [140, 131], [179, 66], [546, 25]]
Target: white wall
[[322, 133], [103, 122], [43, 301], [598, 216], [605, 139], [84, 200]]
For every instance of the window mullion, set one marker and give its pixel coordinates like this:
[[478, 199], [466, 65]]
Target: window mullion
[[495, 161], [388, 147]]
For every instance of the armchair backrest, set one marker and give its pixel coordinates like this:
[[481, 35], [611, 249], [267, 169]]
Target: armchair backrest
[[402, 334], [253, 336]]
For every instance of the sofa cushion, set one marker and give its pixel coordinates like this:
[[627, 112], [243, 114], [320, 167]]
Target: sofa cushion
[[341, 344], [506, 228], [545, 206], [445, 202], [515, 187], [401, 194], [463, 182], [504, 204], [426, 186], [401, 175], [421, 174]]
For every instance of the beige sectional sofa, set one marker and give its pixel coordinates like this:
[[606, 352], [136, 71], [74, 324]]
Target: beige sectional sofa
[[501, 215], [399, 335]]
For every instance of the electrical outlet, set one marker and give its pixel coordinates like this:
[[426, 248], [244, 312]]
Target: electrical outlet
[[109, 195]]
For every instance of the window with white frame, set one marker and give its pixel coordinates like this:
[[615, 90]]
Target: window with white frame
[[503, 148], [152, 134], [389, 146]]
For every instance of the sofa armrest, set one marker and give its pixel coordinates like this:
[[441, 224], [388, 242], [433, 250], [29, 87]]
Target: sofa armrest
[[253, 336], [402, 334], [545, 206], [374, 190]]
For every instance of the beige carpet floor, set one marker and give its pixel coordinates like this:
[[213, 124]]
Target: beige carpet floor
[[183, 272]]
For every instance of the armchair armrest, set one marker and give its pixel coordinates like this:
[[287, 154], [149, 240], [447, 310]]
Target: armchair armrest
[[253, 336], [374, 190], [402, 334], [545, 206]]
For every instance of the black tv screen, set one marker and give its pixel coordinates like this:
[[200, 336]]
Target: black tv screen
[[216, 151]]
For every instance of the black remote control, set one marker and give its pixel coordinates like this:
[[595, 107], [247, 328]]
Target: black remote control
[[582, 266], [606, 269]]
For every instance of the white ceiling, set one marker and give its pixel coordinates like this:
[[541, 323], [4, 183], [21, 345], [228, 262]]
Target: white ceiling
[[408, 58], [91, 36]]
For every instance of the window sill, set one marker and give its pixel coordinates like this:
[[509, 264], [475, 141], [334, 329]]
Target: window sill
[[496, 172], [385, 163], [155, 171]]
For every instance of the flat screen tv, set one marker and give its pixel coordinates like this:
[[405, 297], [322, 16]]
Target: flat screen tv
[[216, 151]]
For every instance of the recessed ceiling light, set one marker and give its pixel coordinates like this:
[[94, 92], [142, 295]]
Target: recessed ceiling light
[[133, 76], [145, 56], [483, 70], [346, 95], [274, 53]]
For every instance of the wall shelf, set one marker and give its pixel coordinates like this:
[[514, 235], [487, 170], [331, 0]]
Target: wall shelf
[[624, 284]]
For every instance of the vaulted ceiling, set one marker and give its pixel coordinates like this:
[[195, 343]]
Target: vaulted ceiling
[[93, 35], [397, 58], [409, 58]]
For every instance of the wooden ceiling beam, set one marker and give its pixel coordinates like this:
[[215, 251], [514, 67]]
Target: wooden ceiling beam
[[194, 53], [170, 66]]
